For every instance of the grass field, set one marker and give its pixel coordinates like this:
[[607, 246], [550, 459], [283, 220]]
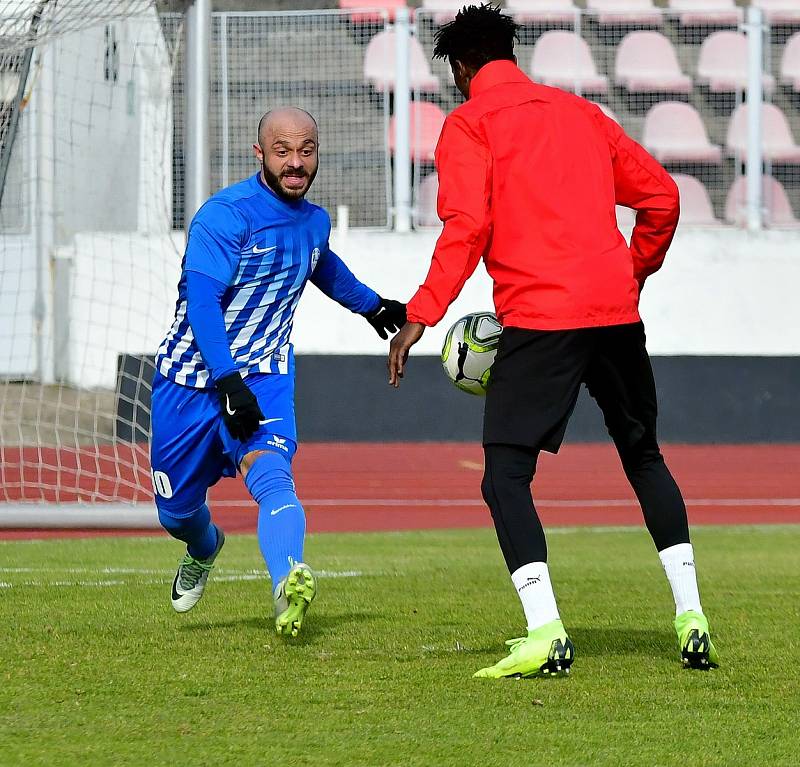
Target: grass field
[[98, 670]]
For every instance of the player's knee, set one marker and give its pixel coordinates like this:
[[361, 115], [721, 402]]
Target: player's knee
[[641, 455], [179, 523], [268, 474]]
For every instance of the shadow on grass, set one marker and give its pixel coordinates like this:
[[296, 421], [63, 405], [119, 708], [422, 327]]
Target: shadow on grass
[[318, 625], [592, 641]]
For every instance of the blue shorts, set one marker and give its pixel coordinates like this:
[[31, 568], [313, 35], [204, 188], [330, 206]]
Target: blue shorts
[[191, 448]]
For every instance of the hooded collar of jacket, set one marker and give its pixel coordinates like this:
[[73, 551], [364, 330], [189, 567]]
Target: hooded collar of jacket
[[495, 73]]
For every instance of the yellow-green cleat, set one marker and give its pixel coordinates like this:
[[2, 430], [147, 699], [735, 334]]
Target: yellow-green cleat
[[694, 641], [546, 651], [292, 596]]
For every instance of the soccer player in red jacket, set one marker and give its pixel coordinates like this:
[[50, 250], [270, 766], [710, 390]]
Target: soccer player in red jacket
[[529, 177]]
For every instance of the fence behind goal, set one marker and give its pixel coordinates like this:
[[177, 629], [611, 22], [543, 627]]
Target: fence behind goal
[[91, 153]]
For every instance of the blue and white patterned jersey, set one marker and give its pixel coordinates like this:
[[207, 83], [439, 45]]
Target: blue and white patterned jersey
[[265, 250]]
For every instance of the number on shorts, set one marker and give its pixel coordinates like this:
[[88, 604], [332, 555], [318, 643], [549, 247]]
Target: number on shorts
[[161, 484]]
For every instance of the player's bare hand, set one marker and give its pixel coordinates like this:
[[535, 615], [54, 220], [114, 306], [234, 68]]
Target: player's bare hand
[[409, 334]]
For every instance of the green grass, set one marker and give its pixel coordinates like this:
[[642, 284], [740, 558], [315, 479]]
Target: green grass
[[109, 675]]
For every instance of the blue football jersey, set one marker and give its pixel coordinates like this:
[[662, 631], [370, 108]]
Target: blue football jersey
[[265, 250]]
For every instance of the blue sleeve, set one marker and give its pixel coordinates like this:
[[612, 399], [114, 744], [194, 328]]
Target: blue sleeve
[[204, 310], [336, 281], [216, 237]]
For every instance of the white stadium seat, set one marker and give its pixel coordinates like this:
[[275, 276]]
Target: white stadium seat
[[563, 59]]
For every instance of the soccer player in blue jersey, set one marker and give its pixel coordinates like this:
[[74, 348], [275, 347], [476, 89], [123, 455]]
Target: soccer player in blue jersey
[[223, 390]]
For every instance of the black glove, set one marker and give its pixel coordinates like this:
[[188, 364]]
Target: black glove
[[239, 406], [390, 315]]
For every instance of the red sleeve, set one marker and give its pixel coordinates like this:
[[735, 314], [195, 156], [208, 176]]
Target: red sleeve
[[465, 182], [642, 184]]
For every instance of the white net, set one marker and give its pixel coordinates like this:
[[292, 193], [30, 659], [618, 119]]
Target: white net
[[91, 220], [88, 261]]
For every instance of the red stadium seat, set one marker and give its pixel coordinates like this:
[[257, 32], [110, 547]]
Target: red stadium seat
[[693, 13], [646, 62], [625, 12], [426, 125], [790, 62], [776, 138], [366, 12], [775, 203], [427, 195], [542, 11], [380, 65], [722, 63], [674, 132], [696, 205], [779, 11], [564, 60]]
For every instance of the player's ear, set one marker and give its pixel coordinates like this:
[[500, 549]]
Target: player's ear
[[259, 153]]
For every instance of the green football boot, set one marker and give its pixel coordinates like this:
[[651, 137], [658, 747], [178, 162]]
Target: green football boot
[[546, 651], [695, 641], [292, 596]]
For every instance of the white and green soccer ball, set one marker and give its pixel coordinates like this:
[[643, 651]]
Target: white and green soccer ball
[[469, 350]]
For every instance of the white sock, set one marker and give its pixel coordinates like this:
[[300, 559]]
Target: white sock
[[678, 564], [532, 582]]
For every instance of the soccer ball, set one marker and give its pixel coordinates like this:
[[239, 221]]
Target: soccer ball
[[469, 349]]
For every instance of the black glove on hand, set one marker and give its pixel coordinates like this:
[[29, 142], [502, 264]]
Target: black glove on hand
[[390, 315], [239, 406]]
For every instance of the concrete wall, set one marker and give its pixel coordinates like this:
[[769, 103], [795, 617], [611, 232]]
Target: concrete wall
[[721, 292]]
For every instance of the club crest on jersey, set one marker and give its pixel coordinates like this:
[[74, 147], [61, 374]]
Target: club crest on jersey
[[315, 254]]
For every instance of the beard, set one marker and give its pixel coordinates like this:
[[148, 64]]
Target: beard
[[288, 195]]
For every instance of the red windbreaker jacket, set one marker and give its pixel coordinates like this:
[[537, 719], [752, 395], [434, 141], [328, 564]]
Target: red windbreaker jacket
[[529, 177]]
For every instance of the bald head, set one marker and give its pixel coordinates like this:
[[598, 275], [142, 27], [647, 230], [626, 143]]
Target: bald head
[[286, 119], [287, 148]]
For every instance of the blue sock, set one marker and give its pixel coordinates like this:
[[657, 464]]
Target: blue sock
[[194, 528], [281, 519]]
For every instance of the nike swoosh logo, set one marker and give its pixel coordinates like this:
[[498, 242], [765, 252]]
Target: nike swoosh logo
[[175, 594], [228, 405], [256, 249], [278, 511], [270, 420]]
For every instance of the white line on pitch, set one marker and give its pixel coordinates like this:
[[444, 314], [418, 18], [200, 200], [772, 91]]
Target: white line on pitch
[[558, 504]]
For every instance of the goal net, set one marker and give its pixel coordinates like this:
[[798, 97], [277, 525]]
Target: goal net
[[88, 257]]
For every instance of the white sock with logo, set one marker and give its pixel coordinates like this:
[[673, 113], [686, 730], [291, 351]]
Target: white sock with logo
[[532, 582], [678, 564]]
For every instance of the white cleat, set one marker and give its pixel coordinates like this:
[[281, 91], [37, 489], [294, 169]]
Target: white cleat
[[190, 580]]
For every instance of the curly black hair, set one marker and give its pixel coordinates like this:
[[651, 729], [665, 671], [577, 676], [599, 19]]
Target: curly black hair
[[479, 34]]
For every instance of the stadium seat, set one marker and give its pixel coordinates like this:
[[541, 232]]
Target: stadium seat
[[710, 13], [790, 62], [646, 62], [607, 111], [426, 125], [366, 12], [564, 60], [722, 63], [380, 64], [427, 195], [696, 205], [443, 10], [775, 203], [542, 11], [776, 138], [625, 12], [674, 132], [779, 11]]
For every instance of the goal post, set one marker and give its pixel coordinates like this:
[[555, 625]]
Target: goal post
[[88, 256]]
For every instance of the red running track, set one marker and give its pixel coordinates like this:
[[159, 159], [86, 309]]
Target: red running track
[[362, 487]]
